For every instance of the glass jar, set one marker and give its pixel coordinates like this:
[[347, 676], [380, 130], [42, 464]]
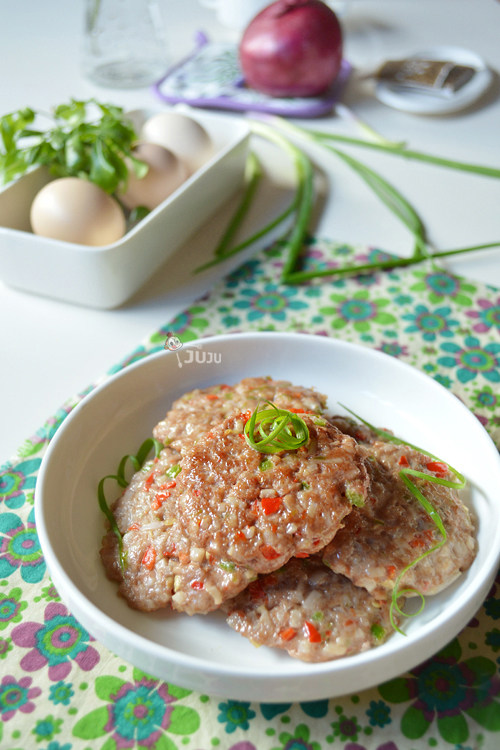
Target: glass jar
[[124, 43]]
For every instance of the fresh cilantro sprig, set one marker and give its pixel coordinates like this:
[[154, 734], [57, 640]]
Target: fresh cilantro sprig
[[85, 139]]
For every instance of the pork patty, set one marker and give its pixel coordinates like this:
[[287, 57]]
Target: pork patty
[[309, 611], [162, 566], [259, 510], [392, 529]]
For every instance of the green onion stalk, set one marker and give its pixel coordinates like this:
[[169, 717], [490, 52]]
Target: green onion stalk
[[278, 130], [301, 205]]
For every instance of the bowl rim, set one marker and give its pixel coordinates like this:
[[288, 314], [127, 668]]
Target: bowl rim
[[467, 600]]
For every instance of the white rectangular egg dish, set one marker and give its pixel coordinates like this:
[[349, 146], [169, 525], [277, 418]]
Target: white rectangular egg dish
[[108, 275]]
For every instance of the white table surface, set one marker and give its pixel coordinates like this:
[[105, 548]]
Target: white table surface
[[51, 350]]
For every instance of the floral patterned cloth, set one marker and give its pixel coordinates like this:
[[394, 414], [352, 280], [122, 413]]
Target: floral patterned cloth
[[62, 690]]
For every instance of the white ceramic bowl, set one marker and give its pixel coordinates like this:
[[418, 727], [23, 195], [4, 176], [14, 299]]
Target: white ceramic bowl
[[202, 652], [105, 277]]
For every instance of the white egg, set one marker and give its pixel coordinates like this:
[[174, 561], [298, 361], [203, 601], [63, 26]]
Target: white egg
[[76, 210], [181, 134], [166, 172]]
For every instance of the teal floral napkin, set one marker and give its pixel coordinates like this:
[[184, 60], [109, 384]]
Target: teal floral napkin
[[62, 690]]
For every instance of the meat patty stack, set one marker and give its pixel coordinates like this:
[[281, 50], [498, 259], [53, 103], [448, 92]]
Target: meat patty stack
[[300, 548]]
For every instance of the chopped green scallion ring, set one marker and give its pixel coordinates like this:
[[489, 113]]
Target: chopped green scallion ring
[[377, 631], [355, 498], [225, 565], [173, 471], [266, 464]]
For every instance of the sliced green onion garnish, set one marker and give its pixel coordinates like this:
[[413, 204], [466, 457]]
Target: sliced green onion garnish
[[274, 430], [399, 441], [405, 474], [137, 462]]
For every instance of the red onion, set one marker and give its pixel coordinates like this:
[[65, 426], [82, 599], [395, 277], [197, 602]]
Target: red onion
[[292, 48]]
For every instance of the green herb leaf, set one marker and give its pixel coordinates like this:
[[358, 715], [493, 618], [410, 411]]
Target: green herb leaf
[[85, 139], [102, 170], [13, 125], [226, 565]]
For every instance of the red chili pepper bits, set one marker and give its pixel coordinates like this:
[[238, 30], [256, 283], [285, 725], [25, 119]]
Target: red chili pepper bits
[[312, 632], [270, 505], [437, 467], [149, 481], [149, 558], [159, 499], [269, 552]]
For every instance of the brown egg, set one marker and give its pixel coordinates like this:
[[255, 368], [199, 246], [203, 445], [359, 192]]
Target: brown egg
[[76, 210], [181, 134], [165, 174]]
